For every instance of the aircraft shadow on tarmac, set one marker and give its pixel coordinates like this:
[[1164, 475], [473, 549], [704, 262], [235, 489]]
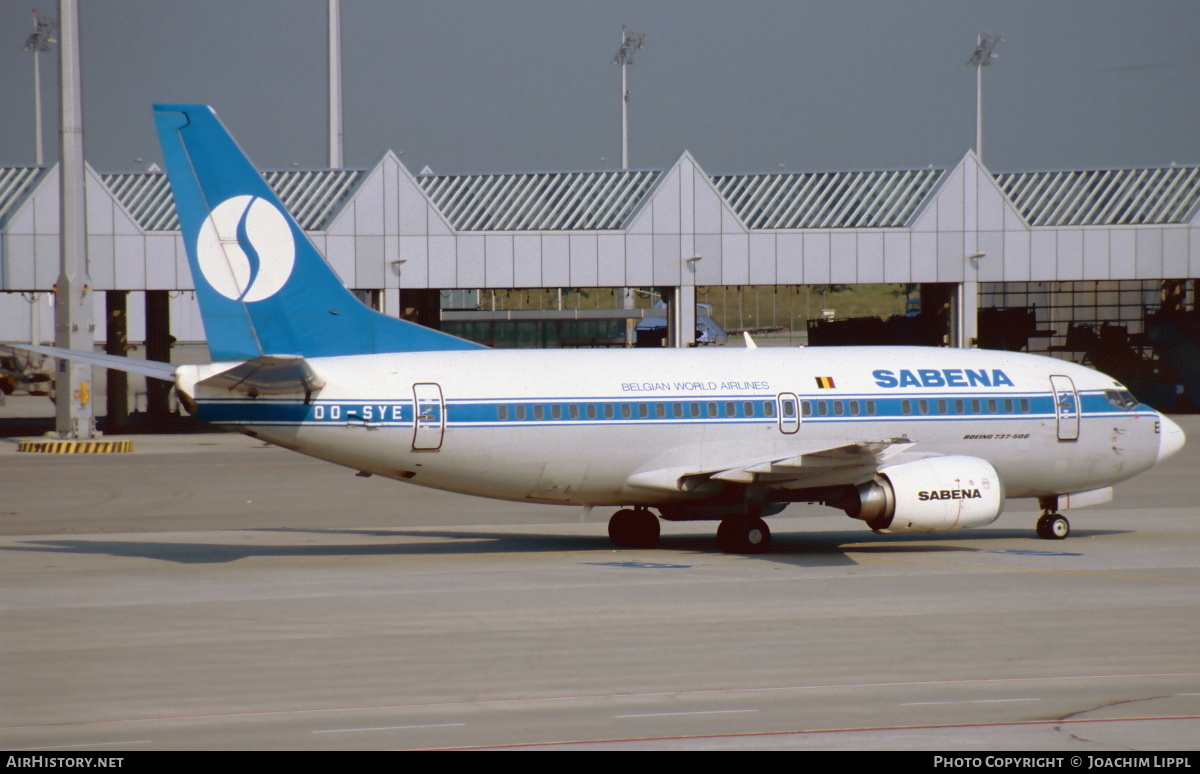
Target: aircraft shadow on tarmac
[[806, 549]]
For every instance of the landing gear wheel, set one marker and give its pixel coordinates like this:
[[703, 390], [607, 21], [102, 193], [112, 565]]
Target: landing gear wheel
[[629, 528], [1053, 526], [743, 536]]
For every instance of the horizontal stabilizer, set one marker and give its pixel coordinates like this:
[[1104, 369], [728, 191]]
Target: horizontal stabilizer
[[151, 368], [268, 375]]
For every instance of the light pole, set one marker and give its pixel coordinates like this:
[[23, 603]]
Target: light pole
[[982, 57], [38, 42], [630, 42], [335, 84]]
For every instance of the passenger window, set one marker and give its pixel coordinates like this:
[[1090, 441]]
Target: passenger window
[[1024, 405], [923, 406], [695, 407], [768, 408], [871, 407], [806, 408], [822, 408], [677, 410], [853, 408], [837, 408], [906, 406], [643, 410], [789, 408], [660, 410], [1008, 406], [730, 409], [626, 411], [991, 405], [608, 411], [976, 407], [502, 412], [521, 411], [591, 410], [959, 407], [539, 411], [943, 407], [712, 409], [556, 411], [748, 409], [573, 410]]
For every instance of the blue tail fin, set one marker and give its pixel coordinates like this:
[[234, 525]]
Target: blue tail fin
[[262, 286]]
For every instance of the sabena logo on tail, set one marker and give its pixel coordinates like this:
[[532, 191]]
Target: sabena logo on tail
[[245, 249]]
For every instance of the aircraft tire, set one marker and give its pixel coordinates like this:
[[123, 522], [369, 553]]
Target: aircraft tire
[[629, 528], [1053, 526], [743, 536]]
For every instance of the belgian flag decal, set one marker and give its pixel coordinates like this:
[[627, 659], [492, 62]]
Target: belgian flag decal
[[825, 382]]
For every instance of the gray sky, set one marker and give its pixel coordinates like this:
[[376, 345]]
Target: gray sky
[[522, 85]]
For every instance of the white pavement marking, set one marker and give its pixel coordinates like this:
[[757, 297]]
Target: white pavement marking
[[962, 701], [384, 728], [88, 744], [676, 714]]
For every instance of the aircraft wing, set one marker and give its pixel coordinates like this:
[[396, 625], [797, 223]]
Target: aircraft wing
[[821, 463], [152, 368]]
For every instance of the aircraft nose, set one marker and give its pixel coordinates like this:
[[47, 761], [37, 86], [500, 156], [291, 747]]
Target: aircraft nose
[[1170, 438]]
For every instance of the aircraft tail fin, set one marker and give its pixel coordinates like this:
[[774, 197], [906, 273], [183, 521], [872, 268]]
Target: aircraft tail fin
[[263, 287]]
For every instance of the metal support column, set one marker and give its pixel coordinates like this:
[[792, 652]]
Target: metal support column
[[966, 318], [158, 347], [73, 322], [117, 343], [681, 316]]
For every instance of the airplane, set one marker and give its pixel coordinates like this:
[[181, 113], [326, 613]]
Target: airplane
[[905, 439]]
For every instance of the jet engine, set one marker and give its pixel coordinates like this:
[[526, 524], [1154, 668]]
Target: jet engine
[[934, 494]]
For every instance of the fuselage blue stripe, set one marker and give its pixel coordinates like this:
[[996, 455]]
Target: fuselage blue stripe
[[746, 409]]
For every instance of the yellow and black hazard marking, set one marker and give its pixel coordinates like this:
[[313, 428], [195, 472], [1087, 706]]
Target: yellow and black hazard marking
[[825, 382], [77, 447]]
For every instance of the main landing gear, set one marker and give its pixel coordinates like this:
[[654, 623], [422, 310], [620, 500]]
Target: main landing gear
[[633, 528], [743, 535], [639, 528]]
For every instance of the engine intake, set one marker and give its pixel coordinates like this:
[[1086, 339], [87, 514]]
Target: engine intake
[[935, 494]]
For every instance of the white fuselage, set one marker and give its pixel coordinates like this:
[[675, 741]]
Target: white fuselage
[[573, 426]]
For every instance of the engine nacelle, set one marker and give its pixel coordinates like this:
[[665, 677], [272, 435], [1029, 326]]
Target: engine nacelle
[[935, 494]]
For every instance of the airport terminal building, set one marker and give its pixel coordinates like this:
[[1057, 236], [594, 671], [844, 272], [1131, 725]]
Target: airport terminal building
[[1097, 263]]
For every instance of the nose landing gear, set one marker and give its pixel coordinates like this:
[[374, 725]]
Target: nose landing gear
[[1053, 526]]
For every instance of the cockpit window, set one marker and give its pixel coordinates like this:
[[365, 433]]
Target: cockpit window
[[1122, 399]]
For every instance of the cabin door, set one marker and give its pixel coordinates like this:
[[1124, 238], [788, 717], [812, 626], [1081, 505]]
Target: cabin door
[[1066, 407], [789, 412], [429, 418]]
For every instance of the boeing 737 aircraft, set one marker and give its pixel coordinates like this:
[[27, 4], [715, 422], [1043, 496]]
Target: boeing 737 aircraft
[[906, 439]]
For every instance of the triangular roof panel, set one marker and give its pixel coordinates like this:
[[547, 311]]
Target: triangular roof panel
[[1104, 197], [539, 201], [797, 200]]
